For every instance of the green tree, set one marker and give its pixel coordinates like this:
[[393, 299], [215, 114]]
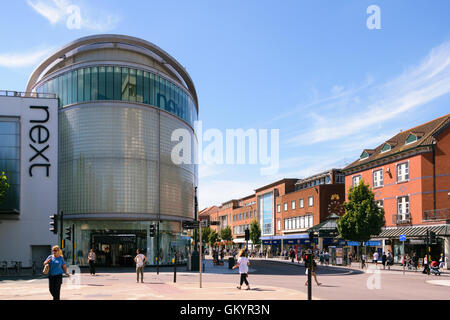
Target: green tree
[[213, 237], [363, 218], [4, 186], [255, 232], [205, 234], [226, 234]]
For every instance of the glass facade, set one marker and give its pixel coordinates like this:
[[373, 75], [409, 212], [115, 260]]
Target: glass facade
[[121, 84], [266, 212], [10, 162], [116, 242], [109, 162]]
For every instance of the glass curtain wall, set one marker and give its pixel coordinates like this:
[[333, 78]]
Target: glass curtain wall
[[121, 84], [10, 162]]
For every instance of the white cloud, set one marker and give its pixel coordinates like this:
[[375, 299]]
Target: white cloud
[[14, 60], [358, 114], [74, 16], [215, 192]]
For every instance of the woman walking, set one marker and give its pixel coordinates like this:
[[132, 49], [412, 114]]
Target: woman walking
[[92, 257], [243, 264], [314, 269], [56, 265]]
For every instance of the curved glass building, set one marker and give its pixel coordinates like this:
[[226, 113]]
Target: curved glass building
[[120, 99]]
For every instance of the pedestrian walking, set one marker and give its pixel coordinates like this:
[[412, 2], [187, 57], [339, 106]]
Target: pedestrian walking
[[363, 261], [92, 258], [140, 260], [313, 274], [383, 260], [441, 261], [415, 261], [242, 264], [56, 266], [426, 268], [327, 257], [390, 259], [375, 258], [292, 255]]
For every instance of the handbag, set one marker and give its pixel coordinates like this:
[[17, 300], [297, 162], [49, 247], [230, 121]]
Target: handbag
[[46, 269]]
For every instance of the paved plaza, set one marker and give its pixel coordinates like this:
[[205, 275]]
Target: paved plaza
[[270, 279]]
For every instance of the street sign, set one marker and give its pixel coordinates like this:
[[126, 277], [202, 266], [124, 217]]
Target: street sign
[[402, 237], [190, 224]]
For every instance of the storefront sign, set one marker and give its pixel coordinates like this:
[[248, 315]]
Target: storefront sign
[[353, 243], [372, 243], [402, 237], [416, 241], [39, 136]]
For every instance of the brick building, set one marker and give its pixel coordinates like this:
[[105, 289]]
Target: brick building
[[410, 176], [285, 209]]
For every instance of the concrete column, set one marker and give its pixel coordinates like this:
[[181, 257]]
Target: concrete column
[[320, 243]]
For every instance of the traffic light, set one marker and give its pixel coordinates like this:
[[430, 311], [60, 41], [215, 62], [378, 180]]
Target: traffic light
[[54, 223], [68, 233], [152, 230], [247, 234], [432, 237]]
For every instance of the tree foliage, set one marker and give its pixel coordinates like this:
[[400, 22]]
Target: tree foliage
[[213, 237], [4, 186], [226, 234], [255, 232], [205, 234], [363, 218]]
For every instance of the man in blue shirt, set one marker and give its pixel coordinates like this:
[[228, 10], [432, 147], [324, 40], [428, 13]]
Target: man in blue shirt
[[57, 268]]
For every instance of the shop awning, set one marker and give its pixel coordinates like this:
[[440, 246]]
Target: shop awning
[[414, 232]]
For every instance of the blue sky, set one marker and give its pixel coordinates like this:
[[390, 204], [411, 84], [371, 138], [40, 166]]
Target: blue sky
[[309, 68]]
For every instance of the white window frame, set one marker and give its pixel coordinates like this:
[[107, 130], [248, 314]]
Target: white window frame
[[403, 175], [403, 206], [293, 204], [302, 222], [310, 201], [377, 176], [354, 178], [278, 208], [285, 206], [301, 203]]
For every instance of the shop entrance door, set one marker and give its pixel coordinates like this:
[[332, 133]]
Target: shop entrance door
[[114, 250]]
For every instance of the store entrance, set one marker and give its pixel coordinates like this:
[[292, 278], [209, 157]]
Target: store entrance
[[114, 250]]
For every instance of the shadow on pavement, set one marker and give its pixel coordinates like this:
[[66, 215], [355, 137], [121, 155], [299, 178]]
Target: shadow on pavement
[[268, 267]]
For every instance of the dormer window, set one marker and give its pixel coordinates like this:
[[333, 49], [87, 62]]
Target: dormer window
[[386, 147], [364, 155], [412, 138]]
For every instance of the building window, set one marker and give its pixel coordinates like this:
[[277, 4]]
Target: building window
[[403, 206], [278, 207], [378, 178], [380, 203], [310, 218], [302, 222], [301, 203], [285, 224], [356, 180], [285, 206], [403, 172], [10, 162], [310, 201], [293, 205], [279, 224]]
